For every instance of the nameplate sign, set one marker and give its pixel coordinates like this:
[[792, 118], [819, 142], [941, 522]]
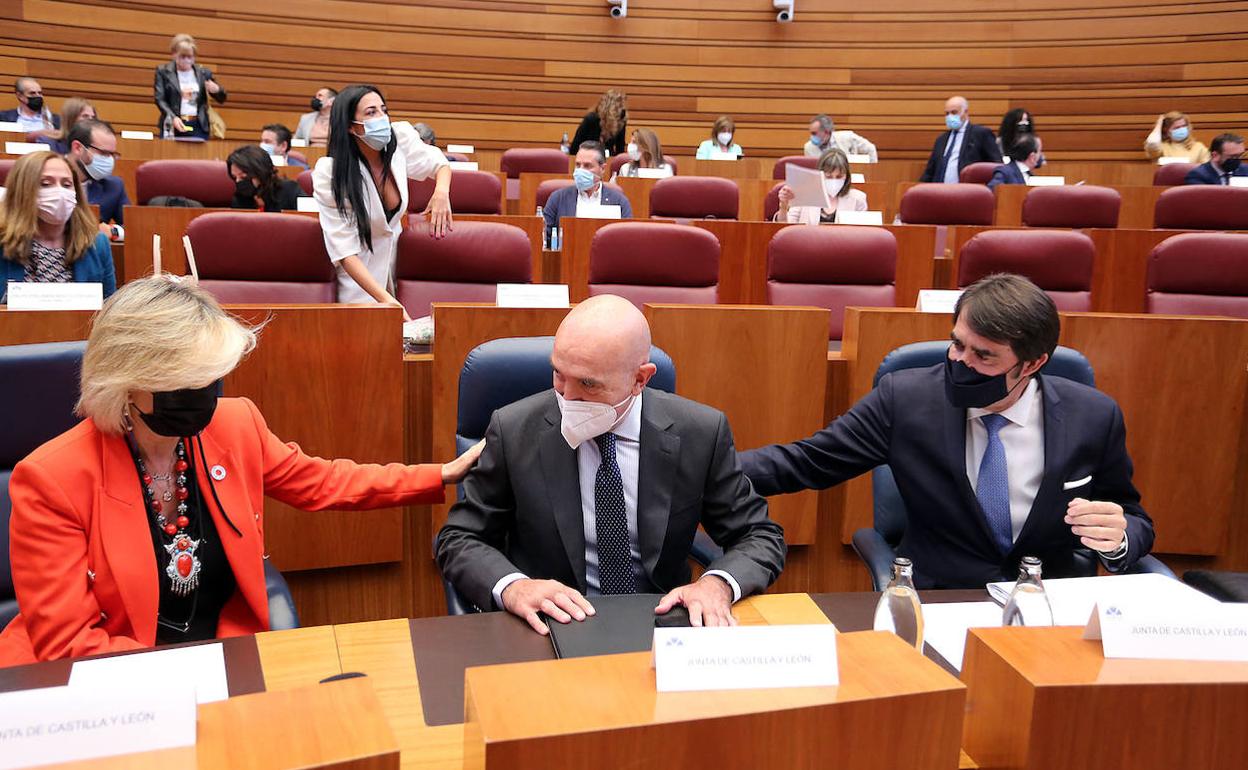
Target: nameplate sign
[[11, 127], [745, 657], [1167, 161], [55, 296], [1046, 181], [463, 165], [25, 148], [598, 211], [1239, 181], [1170, 632], [141, 135], [855, 158], [722, 155], [937, 300], [860, 218], [462, 149], [64, 724], [531, 295], [657, 173], [857, 178], [294, 142], [306, 203], [278, 161]]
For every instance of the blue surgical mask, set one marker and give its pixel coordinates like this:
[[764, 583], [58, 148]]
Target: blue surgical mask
[[954, 122], [1180, 134], [816, 140], [376, 132], [269, 148], [100, 167], [584, 178]]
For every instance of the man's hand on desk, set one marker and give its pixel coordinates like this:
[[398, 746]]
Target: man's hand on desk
[[709, 601], [1100, 526], [527, 597]]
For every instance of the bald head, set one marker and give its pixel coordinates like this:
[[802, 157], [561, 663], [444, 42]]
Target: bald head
[[957, 105], [602, 351]]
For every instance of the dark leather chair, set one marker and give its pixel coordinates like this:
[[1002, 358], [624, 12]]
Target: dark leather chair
[[1074, 206], [472, 192], [521, 160], [832, 267], [771, 202], [613, 165], [262, 258], [1221, 585], [465, 266], [948, 204], [977, 173], [778, 170], [694, 197], [877, 545], [5, 167], [1058, 261], [1172, 174], [1199, 274], [655, 262], [499, 372], [206, 181], [305, 182], [1202, 207]]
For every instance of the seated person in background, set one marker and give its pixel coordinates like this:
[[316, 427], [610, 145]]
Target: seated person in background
[[606, 123], [48, 233], [722, 131], [275, 140], [645, 152], [313, 126], [120, 538], [31, 114], [1014, 124], [837, 183], [257, 184], [963, 144], [587, 188], [1224, 162], [72, 111], [824, 136], [93, 145], [1171, 137], [1026, 152], [426, 134], [599, 487]]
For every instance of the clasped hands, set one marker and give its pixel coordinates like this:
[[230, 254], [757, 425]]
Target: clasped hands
[[1100, 526], [708, 600]]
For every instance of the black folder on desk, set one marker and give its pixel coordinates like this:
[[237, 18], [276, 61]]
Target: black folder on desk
[[623, 623]]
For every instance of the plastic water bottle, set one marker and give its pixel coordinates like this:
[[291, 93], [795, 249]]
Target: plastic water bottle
[[563, 145], [556, 238], [1028, 604], [539, 212], [899, 610], [166, 130]]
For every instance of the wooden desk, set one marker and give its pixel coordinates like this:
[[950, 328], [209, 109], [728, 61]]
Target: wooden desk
[[159, 149]]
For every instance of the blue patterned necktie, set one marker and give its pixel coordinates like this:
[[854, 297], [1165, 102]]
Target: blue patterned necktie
[[993, 486], [615, 572]]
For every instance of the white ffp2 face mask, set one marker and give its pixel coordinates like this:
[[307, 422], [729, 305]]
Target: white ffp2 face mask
[[725, 138], [585, 420], [634, 152], [833, 186]]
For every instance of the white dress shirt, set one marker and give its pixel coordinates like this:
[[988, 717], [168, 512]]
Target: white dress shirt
[[1023, 169], [628, 458], [588, 200], [32, 122], [951, 169]]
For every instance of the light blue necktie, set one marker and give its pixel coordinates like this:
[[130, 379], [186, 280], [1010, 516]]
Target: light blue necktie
[[993, 486]]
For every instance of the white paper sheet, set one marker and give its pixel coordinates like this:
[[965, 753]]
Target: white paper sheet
[[807, 186], [945, 626], [1073, 598], [202, 665]]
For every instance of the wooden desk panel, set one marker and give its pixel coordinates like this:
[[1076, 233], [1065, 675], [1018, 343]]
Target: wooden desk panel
[[1136, 211], [28, 327], [529, 182], [637, 191]]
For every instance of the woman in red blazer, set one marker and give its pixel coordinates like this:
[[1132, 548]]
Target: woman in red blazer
[[144, 524]]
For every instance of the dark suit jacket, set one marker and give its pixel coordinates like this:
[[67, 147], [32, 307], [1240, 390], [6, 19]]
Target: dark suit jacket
[[562, 203], [979, 145], [1006, 173], [907, 423], [521, 507], [109, 194], [11, 116], [590, 130], [1205, 173], [168, 94]]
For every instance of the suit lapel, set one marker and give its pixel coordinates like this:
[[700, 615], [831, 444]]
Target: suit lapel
[[656, 479], [562, 479], [1054, 459], [245, 553], [126, 538]]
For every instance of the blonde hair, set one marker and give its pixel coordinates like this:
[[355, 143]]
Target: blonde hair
[[723, 123], [1172, 117], [182, 39], [651, 150], [19, 211], [71, 110], [835, 159], [157, 334], [612, 113]]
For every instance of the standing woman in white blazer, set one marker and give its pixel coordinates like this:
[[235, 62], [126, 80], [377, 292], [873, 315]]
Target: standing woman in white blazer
[[360, 189]]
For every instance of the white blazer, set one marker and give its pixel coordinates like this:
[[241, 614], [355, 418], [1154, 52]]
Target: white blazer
[[413, 159], [854, 200]]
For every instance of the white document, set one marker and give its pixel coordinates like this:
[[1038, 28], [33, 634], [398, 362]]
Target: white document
[[1045, 181], [1168, 161], [939, 301], [29, 295], [745, 657], [25, 148], [306, 203], [532, 295], [853, 158], [61, 724], [1138, 628], [11, 127], [419, 331], [1073, 598], [298, 142], [860, 218], [807, 186], [201, 667], [144, 135], [1239, 181], [463, 165], [278, 161], [857, 178], [599, 211], [945, 626], [462, 149], [661, 173], [717, 154]]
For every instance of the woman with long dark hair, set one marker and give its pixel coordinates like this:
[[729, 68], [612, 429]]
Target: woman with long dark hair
[[1014, 125], [256, 183], [361, 192]]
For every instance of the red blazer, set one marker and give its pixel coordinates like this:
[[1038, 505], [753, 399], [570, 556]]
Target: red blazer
[[83, 567]]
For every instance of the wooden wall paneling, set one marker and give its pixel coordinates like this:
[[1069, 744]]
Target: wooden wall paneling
[[779, 357]]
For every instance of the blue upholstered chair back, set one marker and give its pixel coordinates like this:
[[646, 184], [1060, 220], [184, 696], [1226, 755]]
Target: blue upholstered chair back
[[501, 371], [889, 510], [38, 390]]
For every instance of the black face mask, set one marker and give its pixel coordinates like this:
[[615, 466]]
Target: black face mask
[[317, 104], [1039, 161], [35, 104], [245, 188], [966, 388], [182, 413], [1024, 128], [1229, 165]]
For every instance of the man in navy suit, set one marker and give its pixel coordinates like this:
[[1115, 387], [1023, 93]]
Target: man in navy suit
[[963, 144], [587, 191], [1224, 162], [1025, 158], [94, 145], [31, 114], [993, 461]]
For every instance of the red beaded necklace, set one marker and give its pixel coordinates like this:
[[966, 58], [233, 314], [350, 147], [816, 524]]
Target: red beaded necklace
[[184, 566]]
